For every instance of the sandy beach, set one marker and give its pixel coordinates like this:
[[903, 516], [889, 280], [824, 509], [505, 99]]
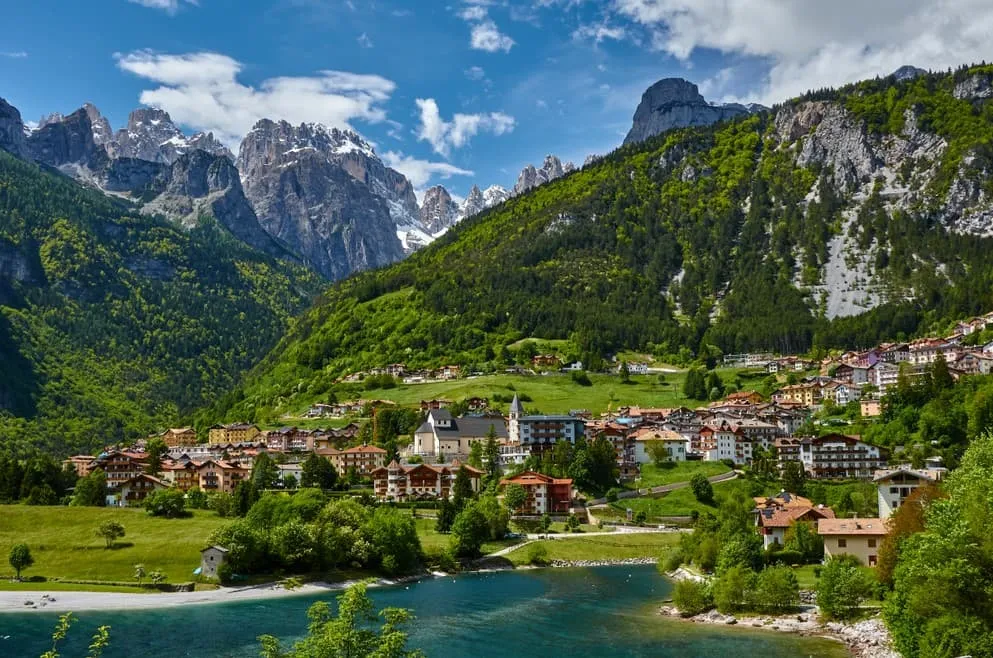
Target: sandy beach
[[41, 601]]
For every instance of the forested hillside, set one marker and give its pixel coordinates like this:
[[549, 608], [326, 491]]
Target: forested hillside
[[837, 219], [113, 324]]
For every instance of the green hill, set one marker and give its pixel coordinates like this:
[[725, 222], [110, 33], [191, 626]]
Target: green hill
[[837, 219], [113, 324]]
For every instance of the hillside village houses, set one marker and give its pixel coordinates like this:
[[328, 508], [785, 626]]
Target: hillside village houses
[[405, 482], [894, 485], [775, 514], [857, 537]]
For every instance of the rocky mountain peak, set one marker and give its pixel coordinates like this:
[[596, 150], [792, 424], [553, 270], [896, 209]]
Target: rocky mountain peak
[[151, 135], [68, 142], [12, 137], [438, 210], [102, 132], [494, 194], [908, 72], [677, 103], [474, 202], [532, 177]]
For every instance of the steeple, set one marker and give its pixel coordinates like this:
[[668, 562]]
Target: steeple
[[516, 408]]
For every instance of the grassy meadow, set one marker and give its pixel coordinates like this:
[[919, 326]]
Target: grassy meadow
[[604, 547], [64, 543], [653, 476]]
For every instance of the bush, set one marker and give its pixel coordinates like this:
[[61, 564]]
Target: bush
[[537, 554], [734, 589], [703, 491], [170, 503], [612, 495], [843, 586], [225, 573], [582, 379], [691, 597], [641, 518], [777, 589], [785, 557]]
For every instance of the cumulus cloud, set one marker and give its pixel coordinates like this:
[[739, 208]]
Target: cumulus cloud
[[598, 33], [420, 172], [815, 44], [202, 91], [487, 36], [446, 135], [168, 6]]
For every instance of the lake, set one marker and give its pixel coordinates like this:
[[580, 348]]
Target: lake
[[597, 612]]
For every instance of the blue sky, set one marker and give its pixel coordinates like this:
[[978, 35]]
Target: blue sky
[[448, 88]]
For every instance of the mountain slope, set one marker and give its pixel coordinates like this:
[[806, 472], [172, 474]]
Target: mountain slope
[[737, 235], [113, 324]]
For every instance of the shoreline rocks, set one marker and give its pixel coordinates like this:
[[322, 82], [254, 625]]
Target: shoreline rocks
[[868, 638]]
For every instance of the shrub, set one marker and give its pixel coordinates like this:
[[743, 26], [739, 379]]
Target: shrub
[[612, 495], [843, 586], [785, 557], [703, 491], [777, 589], [582, 379], [673, 560], [170, 503], [537, 554], [691, 597]]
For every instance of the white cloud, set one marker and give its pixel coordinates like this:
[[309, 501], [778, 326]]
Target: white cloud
[[201, 90], [473, 13], [816, 44], [475, 73], [364, 40], [15, 54], [487, 36], [446, 135], [168, 6], [420, 172], [598, 33]]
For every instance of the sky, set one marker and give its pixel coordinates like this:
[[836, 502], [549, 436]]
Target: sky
[[457, 92]]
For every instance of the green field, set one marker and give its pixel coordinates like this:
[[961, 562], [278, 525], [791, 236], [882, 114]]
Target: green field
[[606, 547], [653, 476], [549, 393], [680, 502], [64, 544], [432, 540]]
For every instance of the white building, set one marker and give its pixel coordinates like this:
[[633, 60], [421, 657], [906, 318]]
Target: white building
[[894, 485], [676, 445]]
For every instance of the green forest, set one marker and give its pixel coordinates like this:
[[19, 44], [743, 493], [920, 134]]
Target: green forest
[[114, 324], [695, 241]]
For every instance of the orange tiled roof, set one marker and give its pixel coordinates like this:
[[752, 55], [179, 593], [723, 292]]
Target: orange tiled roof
[[852, 527]]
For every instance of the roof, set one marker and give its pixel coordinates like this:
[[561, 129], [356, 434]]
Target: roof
[[531, 477], [215, 547], [467, 426], [453, 467], [516, 406], [784, 518], [931, 475], [782, 499], [658, 435], [364, 448], [875, 527]]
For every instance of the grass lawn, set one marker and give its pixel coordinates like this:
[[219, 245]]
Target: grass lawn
[[680, 502], [653, 476], [64, 544], [606, 547], [805, 576], [549, 393]]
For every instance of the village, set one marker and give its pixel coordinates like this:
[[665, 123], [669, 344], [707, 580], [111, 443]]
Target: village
[[736, 430]]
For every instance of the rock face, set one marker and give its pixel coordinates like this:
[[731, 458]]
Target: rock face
[[908, 73], [474, 203], [68, 142], [494, 194], [102, 132], [303, 196], [975, 87], [438, 211], [531, 177], [677, 103], [201, 183], [151, 135], [12, 138]]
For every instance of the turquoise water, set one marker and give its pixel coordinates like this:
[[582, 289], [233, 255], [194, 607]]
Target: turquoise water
[[601, 612]]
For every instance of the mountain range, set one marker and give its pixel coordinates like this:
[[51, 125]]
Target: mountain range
[[310, 193]]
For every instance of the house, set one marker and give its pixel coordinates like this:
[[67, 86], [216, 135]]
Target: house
[[211, 558], [396, 370], [217, 475], [545, 494], [675, 444], [182, 475], [541, 432], [364, 459], [635, 368], [751, 397], [428, 405], [289, 439], [847, 373], [403, 482], [721, 440], [840, 457], [81, 464], [807, 394], [120, 466], [476, 404], [773, 522], [894, 485], [845, 393], [441, 433], [233, 433], [180, 437], [871, 408], [134, 492], [546, 361], [858, 537]]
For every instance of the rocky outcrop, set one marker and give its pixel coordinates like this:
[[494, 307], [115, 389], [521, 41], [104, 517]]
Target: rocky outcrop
[[494, 195], [308, 200], [976, 87], [68, 142], [474, 203], [151, 135], [532, 177], [908, 73], [131, 176], [102, 132], [12, 138], [676, 103], [438, 211]]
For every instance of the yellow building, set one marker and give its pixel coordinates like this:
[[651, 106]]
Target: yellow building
[[233, 433], [859, 537]]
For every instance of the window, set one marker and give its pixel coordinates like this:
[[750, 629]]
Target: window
[[842, 543], [872, 542], [872, 560]]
